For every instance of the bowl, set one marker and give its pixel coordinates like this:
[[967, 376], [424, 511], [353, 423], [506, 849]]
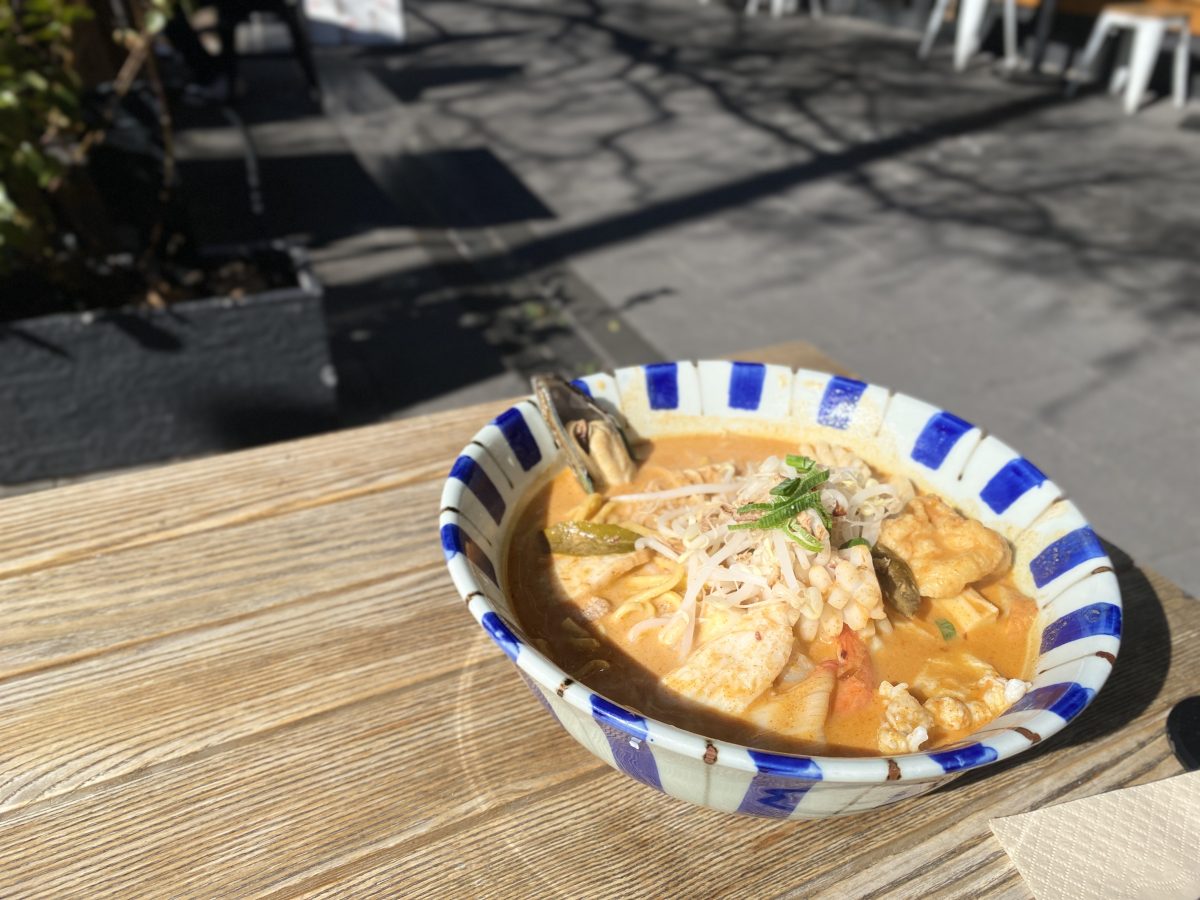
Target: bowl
[[1058, 561]]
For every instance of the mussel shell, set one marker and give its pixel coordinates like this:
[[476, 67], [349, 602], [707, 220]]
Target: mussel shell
[[896, 580], [562, 404]]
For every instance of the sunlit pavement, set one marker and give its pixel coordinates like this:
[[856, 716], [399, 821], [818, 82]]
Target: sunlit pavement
[[580, 184]]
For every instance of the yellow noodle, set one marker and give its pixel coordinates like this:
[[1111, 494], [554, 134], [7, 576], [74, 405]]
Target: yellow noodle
[[630, 606], [668, 582], [672, 598], [603, 513], [639, 529], [593, 666], [572, 627]]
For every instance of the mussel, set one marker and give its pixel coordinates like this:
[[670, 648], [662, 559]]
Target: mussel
[[593, 440]]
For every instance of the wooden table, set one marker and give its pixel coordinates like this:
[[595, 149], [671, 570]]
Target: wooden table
[[250, 675]]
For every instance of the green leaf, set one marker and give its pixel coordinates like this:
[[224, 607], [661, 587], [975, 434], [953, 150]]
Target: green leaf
[[946, 628], [155, 21], [8, 210], [37, 81]]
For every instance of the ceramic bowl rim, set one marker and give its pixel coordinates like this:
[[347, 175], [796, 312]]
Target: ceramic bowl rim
[[932, 765]]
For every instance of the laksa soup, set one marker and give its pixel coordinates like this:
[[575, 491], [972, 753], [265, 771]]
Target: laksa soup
[[789, 598]]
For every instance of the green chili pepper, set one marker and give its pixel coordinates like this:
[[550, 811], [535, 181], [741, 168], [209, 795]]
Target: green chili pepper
[[855, 542], [589, 538]]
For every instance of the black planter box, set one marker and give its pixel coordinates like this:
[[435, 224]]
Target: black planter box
[[85, 392]]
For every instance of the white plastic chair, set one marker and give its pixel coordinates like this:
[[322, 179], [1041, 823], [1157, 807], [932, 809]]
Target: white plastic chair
[[1144, 27], [974, 20], [779, 7]]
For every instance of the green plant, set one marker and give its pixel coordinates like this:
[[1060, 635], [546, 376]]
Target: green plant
[[51, 218], [40, 123]]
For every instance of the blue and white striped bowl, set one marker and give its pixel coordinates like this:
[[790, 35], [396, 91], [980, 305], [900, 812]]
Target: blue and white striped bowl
[[1058, 560]]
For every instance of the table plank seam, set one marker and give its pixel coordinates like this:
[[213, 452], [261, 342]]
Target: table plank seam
[[36, 807], [1091, 773], [361, 861], [201, 526], [1008, 874], [148, 639]]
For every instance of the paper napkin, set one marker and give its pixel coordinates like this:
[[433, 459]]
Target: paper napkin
[[1139, 842]]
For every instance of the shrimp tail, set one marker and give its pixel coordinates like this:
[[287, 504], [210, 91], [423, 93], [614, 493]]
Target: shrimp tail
[[856, 679]]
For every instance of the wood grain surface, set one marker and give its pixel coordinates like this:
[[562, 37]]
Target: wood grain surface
[[251, 676]]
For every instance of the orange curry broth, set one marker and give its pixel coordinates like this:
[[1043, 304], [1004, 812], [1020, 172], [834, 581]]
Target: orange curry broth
[[633, 679]]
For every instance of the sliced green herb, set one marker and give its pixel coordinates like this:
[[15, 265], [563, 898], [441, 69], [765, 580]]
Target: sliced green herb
[[814, 480], [802, 536], [784, 488], [782, 512], [792, 496], [799, 463], [856, 542], [822, 512], [946, 628]]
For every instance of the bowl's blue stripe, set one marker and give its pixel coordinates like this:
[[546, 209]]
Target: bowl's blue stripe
[[1013, 480], [839, 401], [790, 766], [938, 438], [964, 757], [629, 722], [452, 540], [582, 385], [455, 541], [502, 635], [1065, 554], [1097, 619], [626, 735], [772, 797], [1065, 699], [470, 473], [662, 385], [516, 431], [746, 384]]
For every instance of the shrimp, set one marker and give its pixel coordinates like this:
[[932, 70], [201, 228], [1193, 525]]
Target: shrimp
[[856, 680]]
